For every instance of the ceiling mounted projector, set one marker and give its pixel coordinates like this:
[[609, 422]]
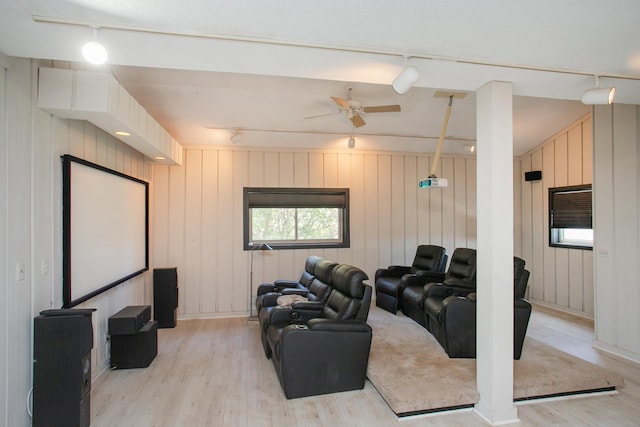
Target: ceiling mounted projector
[[433, 183]]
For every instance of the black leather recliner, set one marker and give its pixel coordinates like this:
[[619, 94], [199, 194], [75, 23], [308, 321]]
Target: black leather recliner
[[460, 279], [453, 324], [281, 286], [318, 349], [388, 281], [317, 295]]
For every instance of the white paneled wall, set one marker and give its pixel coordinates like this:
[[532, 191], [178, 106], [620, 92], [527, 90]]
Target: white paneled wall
[[617, 228], [198, 216], [560, 277], [31, 143]]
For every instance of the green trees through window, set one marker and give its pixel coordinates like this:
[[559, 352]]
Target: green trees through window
[[296, 217], [291, 224]]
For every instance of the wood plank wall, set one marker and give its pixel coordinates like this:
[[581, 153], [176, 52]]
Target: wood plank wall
[[560, 277], [32, 142], [198, 216], [617, 226]]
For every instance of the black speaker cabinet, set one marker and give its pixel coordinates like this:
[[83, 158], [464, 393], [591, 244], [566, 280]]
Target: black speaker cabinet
[[533, 176], [137, 350], [129, 320], [165, 296], [62, 343]]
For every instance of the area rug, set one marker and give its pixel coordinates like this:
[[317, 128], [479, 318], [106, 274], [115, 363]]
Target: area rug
[[414, 375]]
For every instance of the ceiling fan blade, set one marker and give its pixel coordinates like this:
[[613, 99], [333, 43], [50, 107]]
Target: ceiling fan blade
[[322, 115], [357, 120], [382, 109], [341, 102]]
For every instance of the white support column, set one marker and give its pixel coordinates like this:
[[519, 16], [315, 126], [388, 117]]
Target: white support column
[[494, 361]]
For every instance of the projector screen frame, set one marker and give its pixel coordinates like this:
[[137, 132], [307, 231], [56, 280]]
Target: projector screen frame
[[69, 299]]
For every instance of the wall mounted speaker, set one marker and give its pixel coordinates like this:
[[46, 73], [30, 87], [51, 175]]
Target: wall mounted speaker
[[533, 176]]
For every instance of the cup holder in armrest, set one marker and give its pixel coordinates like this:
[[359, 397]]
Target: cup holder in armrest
[[300, 326]]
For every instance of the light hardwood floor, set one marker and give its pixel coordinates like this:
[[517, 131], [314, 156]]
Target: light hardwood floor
[[212, 372]]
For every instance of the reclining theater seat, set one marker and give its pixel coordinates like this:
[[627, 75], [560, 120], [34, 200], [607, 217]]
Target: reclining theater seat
[[428, 258], [285, 286], [455, 324], [324, 349], [317, 295], [460, 279]]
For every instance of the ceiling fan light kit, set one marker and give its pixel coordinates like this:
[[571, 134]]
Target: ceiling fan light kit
[[405, 80]]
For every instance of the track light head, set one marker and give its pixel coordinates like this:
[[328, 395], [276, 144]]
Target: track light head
[[405, 80], [93, 51], [236, 137], [598, 95]]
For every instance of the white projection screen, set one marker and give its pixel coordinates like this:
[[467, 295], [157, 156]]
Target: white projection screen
[[105, 229]]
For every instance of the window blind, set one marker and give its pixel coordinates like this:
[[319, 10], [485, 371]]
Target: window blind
[[296, 197], [570, 207]]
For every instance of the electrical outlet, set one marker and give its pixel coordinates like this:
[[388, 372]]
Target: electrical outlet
[[19, 271]]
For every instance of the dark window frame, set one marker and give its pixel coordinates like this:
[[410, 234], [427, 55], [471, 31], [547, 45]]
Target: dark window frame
[[292, 197], [569, 207]]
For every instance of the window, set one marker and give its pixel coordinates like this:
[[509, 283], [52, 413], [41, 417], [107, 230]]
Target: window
[[288, 218], [570, 217]]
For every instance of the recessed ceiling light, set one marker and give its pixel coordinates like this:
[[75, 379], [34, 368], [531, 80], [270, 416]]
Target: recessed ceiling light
[[122, 133]]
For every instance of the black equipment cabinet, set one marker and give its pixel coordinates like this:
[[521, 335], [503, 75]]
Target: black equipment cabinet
[[134, 338], [165, 296], [62, 343]]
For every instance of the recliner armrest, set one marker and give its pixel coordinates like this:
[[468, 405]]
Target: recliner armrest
[[295, 291], [270, 299], [412, 280], [431, 276], [435, 289], [299, 312], [281, 283], [392, 271], [322, 324], [265, 288], [308, 305]]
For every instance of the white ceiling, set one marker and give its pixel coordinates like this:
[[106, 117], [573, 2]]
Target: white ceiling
[[204, 68]]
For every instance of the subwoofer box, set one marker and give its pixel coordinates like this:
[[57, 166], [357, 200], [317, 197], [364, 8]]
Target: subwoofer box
[[129, 320], [135, 350]]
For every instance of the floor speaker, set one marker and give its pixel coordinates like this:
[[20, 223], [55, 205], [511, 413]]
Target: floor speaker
[[62, 345], [136, 350], [165, 296]]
